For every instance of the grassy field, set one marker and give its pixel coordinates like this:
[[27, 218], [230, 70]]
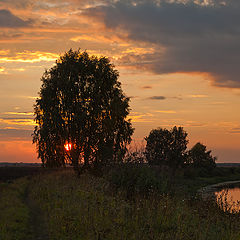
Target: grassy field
[[58, 205]]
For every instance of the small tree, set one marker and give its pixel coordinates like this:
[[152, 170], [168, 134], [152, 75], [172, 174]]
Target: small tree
[[167, 147], [81, 103], [199, 157]]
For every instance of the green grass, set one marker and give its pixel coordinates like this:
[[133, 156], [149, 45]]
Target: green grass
[[91, 208], [14, 214]]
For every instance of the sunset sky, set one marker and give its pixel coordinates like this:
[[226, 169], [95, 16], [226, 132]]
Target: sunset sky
[[178, 61]]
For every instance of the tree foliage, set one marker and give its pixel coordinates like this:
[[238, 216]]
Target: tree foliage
[[167, 147], [199, 157], [81, 102]]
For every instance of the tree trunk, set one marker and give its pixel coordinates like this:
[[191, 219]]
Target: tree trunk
[[86, 156], [75, 163]]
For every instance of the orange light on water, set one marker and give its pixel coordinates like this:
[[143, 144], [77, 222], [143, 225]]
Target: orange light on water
[[68, 146]]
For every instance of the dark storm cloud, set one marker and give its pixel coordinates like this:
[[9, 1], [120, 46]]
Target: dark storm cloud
[[188, 37], [157, 98], [8, 20]]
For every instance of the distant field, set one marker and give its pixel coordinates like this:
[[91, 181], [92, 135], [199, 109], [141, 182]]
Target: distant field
[[10, 173], [228, 164]]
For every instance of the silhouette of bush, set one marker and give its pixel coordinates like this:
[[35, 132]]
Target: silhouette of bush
[[135, 178], [190, 173]]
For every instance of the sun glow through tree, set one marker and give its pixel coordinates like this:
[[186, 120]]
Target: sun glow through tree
[[68, 146]]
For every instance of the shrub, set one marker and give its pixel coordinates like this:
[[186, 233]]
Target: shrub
[[137, 179], [190, 173]]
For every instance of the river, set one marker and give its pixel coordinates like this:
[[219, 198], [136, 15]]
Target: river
[[228, 198]]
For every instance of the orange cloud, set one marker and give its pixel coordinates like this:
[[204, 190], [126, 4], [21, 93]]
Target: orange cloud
[[2, 69], [19, 113], [29, 97], [197, 96], [139, 50], [20, 69], [30, 57], [166, 111], [19, 122], [93, 37], [141, 117], [4, 52], [194, 124]]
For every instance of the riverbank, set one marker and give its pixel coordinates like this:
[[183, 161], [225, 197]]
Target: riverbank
[[192, 183], [209, 190]]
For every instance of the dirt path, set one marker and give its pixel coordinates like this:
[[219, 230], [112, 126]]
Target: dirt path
[[37, 224]]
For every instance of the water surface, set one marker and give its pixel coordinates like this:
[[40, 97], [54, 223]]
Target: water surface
[[229, 198]]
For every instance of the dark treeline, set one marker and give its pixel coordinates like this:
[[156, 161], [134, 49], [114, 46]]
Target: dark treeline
[[169, 148]]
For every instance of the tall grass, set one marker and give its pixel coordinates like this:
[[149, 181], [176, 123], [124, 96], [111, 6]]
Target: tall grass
[[88, 208], [91, 208]]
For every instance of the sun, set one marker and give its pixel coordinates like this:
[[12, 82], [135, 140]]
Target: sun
[[68, 146]]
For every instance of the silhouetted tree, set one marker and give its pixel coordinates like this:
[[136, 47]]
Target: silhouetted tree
[[167, 147], [81, 102], [199, 157]]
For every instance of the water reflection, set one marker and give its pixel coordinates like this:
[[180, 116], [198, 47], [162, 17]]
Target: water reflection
[[229, 199]]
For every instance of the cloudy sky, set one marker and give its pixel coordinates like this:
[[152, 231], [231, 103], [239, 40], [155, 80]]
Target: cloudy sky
[[178, 61]]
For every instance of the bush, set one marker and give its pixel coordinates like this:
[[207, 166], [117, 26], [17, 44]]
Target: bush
[[204, 172], [137, 179], [190, 173], [221, 172]]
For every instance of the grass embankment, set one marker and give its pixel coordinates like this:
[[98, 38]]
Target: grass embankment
[[90, 208]]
